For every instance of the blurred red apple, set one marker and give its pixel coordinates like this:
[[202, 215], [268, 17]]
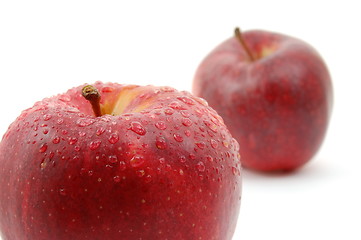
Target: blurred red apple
[[274, 93], [149, 163]]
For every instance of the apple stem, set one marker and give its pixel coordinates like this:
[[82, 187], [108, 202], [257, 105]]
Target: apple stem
[[239, 36], [91, 94]]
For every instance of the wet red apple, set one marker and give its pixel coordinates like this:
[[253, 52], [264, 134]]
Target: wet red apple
[[113, 161], [274, 93]]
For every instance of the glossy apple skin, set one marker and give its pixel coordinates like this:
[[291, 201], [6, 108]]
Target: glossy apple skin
[[278, 106], [169, 171]]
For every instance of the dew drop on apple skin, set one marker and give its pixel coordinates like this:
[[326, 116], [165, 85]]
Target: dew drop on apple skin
[[182, 159], [122, 166], [113, 159], [214, 144], [65, 98], [160, 142], [201, 167], [176, 105], [169, 111], [148, 178], [56, 140], [94, 145], [161, 125], [201, 145], [178, 137], [43, 148], [113, 138], [136, 161], [83, 122], [47, 117], [62, 192], [187, 100], [100, 131], [187, 122], [116, 179], [138, 128], [72, 140], [234, 170]]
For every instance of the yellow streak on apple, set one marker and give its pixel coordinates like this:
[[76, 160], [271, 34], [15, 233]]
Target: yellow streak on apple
[[127, 101]]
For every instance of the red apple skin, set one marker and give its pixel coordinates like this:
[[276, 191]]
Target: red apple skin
[[277, 106], [169, 171]]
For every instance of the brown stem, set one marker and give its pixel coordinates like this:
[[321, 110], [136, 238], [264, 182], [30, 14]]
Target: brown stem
[[239, 36], [91, 94]]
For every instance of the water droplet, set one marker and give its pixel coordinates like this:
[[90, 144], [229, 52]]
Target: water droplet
[[211, 125], [116, 179], [113, 138], [167, 89], [94, 144], [100, 131], [209, 158], [122, 166], [138, 128], [77, 148], [47, 117], [161, 160], [140, 173], [214, 144], [187, 122], [43, 148], [160, 142], [161, 125], [185, 113], [215, 121], [72, 110], [200, 166], [62, 192], [168, 167], [201, 145], [136, 161], [187, 133], [148, 178], [65, 98], [107, 89], [176, 105], [169, 111], [72, 140], [83, 122], [82, 134], [202, 101], [192, 156], [178, 137], [113, 159], [210, 133], [234, 170], [182, 159], [187, 100], [90, 173]]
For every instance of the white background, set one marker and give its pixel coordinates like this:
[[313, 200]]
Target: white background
[[47, 47]]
